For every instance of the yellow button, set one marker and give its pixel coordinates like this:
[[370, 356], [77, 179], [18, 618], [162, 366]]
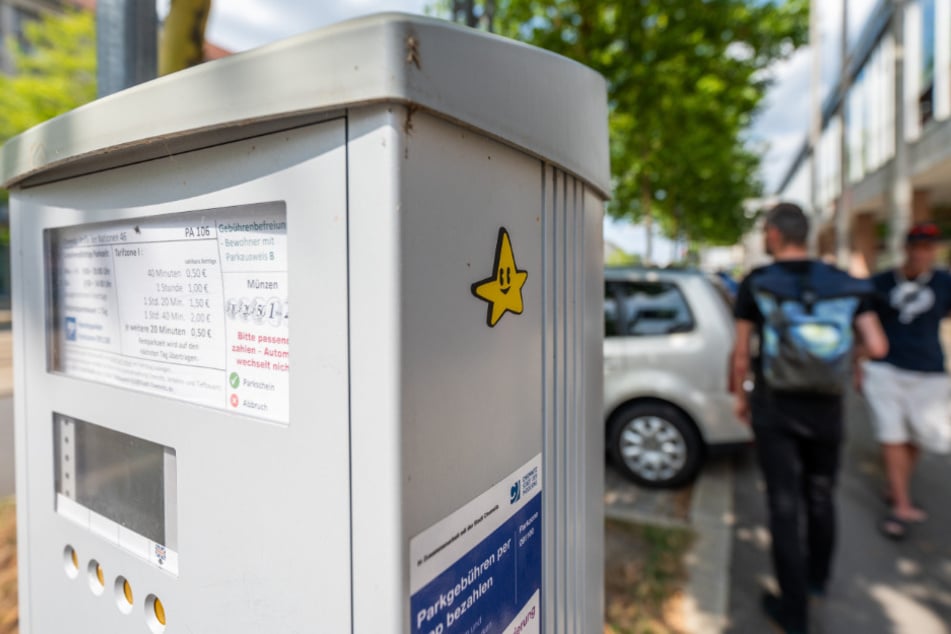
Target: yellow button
[[74, 557], [159, 610], [100, 575], [127, 590]]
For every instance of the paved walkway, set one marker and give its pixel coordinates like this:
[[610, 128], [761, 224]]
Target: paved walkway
[[654, 507], [7, 482], [6, 356], [6, 406], [879, 586]]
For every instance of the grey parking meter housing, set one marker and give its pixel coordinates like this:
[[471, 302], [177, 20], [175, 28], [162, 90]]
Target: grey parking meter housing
[[420, 448]]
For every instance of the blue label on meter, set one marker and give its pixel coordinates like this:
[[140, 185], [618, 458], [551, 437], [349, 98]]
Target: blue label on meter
[[494, 581]]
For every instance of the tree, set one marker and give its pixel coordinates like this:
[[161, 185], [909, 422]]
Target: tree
[[685, 78], [55, 71], [183, 35]]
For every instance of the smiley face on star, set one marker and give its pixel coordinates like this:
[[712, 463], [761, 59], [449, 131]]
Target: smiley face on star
[[502, 291]]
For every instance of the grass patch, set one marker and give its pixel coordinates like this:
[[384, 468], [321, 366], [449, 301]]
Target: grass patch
[[644, 575], [9, 614]]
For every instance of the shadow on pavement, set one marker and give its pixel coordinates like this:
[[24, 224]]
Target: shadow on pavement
[[879, 586]]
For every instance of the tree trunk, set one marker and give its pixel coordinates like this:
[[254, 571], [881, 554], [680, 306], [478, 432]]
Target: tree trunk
[[488, 12], [183, 35], [464, 11], [471, 19], [648, 221]]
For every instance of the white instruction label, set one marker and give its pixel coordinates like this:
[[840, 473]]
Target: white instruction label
[[192, 306]]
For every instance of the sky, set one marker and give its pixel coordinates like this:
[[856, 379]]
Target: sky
[[780, 127], [239, 25]]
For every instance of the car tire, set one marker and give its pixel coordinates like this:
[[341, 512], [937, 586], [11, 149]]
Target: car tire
[[654, 445]]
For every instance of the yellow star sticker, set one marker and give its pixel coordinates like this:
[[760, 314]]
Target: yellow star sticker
[[503, 291]]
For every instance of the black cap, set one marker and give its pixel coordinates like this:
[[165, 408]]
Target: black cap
[[924, 232]]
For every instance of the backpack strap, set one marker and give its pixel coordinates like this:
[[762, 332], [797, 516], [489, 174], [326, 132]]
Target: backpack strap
[[808, 294], [779, 281]]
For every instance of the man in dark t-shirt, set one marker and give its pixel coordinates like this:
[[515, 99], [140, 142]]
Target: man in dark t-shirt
[[798, 433], [908, 391]]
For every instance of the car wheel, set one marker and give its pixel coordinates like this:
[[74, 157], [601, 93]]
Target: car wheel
[[654, 445]]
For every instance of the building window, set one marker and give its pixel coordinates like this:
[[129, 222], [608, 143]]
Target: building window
[[926, 94]]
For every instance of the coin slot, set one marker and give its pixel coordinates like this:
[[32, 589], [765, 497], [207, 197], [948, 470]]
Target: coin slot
[[124, 597], [71, 562], [155, 614], [97, 578]]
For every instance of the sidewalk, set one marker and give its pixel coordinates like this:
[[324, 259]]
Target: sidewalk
[[6, 406], [706, 510], [6, 355], [879, 586]]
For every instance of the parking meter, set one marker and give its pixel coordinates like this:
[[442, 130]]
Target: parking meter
[[309, 340]]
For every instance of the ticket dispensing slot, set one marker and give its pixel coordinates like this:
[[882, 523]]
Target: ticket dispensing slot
[[120, 487]]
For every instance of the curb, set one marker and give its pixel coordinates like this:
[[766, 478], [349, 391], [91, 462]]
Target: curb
[[707, 592], [643, 518]]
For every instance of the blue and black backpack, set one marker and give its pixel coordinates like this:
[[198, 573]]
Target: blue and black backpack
[[807, 334]]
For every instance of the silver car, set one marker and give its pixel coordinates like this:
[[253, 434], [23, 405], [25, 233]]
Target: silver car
[[668, 338]]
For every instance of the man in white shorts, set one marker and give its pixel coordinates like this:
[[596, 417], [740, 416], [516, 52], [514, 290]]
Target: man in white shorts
[[909, 391]]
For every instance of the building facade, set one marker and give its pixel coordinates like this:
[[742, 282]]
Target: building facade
[[883, 159], [14, 14]]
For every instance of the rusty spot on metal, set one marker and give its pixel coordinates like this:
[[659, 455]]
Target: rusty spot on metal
[[408, 123], [412, 51]]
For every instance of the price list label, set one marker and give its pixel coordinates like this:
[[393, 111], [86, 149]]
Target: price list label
[[192, 306]]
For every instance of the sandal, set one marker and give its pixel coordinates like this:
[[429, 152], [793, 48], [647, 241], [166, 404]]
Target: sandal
[[887, 498], [921, 519], [894, 528]]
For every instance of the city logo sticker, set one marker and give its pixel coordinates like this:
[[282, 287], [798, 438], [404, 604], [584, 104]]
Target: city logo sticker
[[503, 290], [515, 493]]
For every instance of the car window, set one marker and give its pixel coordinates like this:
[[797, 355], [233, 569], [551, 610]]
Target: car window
[[633, 309]]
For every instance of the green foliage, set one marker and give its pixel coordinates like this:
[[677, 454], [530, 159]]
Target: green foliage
[[619, 258], [55, 71], [685, 79]]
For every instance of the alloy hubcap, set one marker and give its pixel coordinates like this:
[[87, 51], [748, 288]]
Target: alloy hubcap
[[653, 448]]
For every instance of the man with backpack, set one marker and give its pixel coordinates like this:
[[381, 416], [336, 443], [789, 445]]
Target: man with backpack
[[908, 391], [805, 313]]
